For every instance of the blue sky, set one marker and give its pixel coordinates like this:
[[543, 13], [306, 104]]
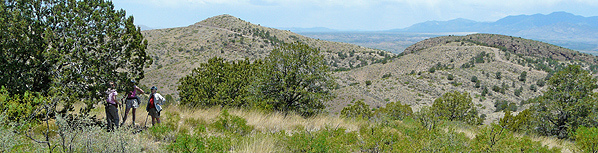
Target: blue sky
[[342, 14]]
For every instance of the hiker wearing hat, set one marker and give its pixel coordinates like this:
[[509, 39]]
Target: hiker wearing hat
[[154, 105], [112, 107], [132, 102]]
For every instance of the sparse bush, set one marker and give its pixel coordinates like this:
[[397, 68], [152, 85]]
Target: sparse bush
[[231, 124], [357, 110], [450, 77], [387, 75], [498, 75], [368, 83], [533, 88], [474, 79], [495, 88], [517, 123], [428, 117], [540, 82], [484, 91], [501, 105], [395, 111], [432, 70], [517, 92], [523, 76]]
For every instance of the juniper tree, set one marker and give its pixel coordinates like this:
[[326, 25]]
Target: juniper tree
[[69, 49]]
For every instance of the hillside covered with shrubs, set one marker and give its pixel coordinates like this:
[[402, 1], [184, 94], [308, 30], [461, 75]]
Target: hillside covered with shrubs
[[447, 94]]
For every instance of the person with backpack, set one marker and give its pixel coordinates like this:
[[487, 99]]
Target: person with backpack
[[131, 102], [154, 105], [112, 107]]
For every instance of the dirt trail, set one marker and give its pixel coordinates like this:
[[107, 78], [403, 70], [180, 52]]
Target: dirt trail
[[498, 58]]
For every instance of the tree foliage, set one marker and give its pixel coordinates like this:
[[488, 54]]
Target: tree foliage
[[568, 103], [457, 106], [68, 48], [218, 83], [295, 78]]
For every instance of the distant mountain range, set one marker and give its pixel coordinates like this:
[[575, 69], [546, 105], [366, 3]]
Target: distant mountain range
[[314, 29], [559, 28]]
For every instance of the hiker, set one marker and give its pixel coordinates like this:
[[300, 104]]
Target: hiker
[[132, 102], [112, 107], [154, 105]]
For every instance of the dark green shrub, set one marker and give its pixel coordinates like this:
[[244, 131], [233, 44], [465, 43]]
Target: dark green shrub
[[218, 83], [395, 111], [569, 99], [450, 77], [517, 123], [295, 77], [484, 91], [517, 92], [495, 88], [432, 70], [523, 76], [533, 88], [540, 82], [387, 75], [357, 110], [501, 105], [498, 75], [368, 83], [428, 118], [457, 106], [474, 79]]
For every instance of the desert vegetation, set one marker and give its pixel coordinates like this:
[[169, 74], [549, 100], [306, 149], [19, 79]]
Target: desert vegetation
[[474, 93]]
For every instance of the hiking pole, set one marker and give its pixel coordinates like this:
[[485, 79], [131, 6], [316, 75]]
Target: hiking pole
[[121, 112], [145, 124]]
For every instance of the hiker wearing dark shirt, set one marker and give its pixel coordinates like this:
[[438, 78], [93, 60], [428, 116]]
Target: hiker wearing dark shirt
[[112, 107]]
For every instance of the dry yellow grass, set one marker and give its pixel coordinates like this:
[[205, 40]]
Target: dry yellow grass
[[266, 125], [260, 143]]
